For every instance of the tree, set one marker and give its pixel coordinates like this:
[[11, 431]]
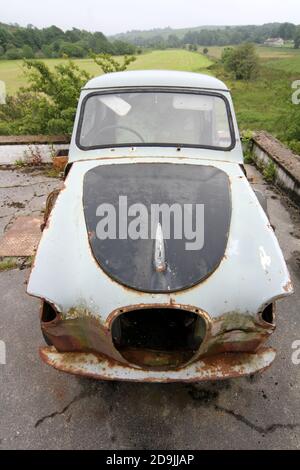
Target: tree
[[47, 50], [297, 39], [205, 51], [123, 48], [5, 38], [287, 31], [13, 53], [71, 50], [193, 47], [27, 52], [17, 37], [173, 41], [242, 61]]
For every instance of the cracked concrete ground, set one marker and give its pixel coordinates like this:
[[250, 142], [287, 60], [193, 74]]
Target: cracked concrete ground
[[42, 408], [23, 192]]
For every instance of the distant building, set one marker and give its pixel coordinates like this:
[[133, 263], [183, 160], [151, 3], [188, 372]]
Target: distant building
[[274, 42]]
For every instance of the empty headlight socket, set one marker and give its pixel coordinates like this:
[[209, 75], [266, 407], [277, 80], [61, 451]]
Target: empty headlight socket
[[268, 315], [48, 312]]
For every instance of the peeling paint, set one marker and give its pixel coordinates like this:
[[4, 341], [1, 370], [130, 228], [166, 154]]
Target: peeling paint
[[217, 367]]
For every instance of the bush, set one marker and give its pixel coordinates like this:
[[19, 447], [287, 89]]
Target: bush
[[294, 145], [123, 48], [13, 53], [242, 62], [48, 105], [27, 52]]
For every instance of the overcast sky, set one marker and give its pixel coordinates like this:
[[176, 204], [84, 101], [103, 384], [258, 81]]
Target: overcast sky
[[115, 16]]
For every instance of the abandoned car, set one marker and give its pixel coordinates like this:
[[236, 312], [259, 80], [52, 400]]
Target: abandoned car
[[157, 260]]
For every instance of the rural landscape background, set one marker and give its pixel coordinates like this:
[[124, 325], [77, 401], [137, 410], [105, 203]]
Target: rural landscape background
[[262, 101]]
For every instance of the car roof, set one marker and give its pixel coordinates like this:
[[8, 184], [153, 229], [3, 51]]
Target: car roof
[[156, 78]]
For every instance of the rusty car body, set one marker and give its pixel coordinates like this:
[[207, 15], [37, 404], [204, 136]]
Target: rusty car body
[[148, 309]]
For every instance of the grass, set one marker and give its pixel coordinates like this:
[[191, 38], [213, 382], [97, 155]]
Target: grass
[[7, 264], [289, 65], [173, 59], [53, 173], [263, 52], [264, 103], [11, 71]]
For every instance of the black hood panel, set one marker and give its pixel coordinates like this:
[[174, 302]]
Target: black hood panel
[[131, 262]]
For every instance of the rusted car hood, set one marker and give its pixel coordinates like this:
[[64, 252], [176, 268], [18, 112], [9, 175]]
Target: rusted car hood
[[157, 185], [252, 270]]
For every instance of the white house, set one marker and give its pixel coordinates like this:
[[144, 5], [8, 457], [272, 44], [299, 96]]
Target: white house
[[274, 42]]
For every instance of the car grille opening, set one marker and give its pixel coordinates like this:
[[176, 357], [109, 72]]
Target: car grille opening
[[158, 337]]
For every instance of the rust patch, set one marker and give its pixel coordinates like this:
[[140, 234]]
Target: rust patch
[[216, 367], [78, 330], [288, 287]]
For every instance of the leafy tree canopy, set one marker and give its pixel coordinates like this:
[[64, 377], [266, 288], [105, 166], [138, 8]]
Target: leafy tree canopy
[[54, 42], [242, 62]]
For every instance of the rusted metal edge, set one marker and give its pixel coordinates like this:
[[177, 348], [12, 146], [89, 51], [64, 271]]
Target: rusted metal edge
[[219, 367]]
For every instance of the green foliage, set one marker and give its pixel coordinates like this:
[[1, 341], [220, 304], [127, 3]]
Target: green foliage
[[294, 145], [205, 51], [17, 42], [242, 61], [193, 47], [269, 172], [48, 104], [290, 126], [71, 50], [297, 38], [287, 31], [246, 138], [20, 163], [27, 52], [123, 48], [13, 53], [108, 64]]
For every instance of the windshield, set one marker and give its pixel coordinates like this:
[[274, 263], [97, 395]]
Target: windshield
[[155, 118]]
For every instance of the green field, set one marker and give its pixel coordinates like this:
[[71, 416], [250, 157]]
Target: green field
[[260, 104], [12, 74]]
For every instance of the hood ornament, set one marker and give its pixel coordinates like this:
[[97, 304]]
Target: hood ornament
[[159, 250]]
